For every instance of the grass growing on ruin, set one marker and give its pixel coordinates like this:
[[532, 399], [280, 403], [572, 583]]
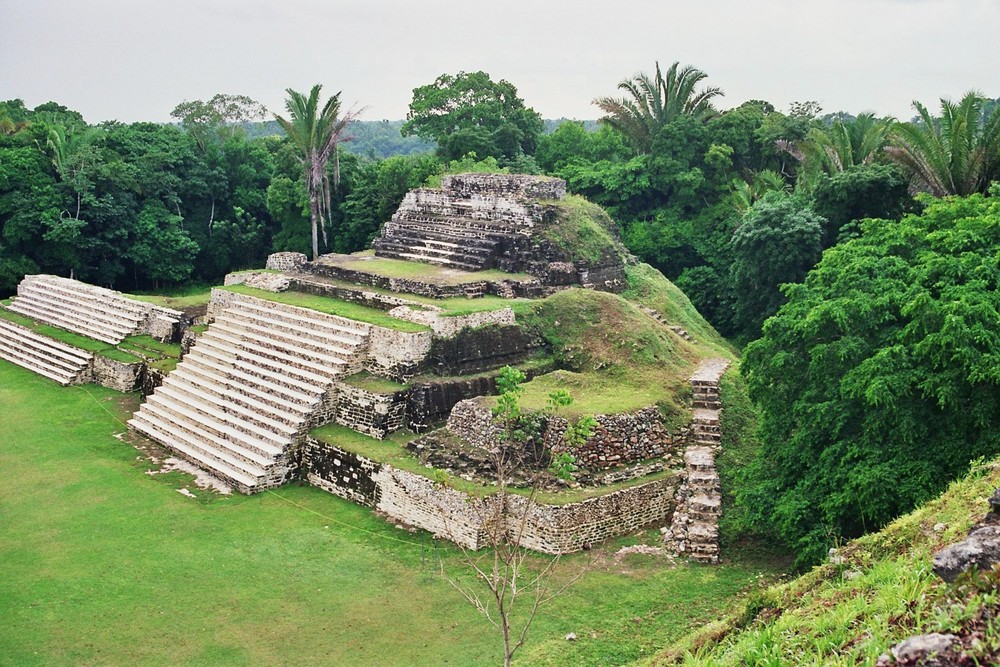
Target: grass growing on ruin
[[367, 262], [182, 298], [331, 306], [103, 564], [889, 593], [379, 385], [582, 230]]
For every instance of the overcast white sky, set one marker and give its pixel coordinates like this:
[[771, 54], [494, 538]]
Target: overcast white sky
[[136, 59]]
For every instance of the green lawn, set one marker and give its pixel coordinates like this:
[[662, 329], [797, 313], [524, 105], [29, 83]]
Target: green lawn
[[104, 565]]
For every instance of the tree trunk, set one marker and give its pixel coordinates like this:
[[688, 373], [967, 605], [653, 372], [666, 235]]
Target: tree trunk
[[314, 215]]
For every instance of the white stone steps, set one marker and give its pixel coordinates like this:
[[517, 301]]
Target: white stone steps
[[63, 353], [18, 350], [232, 468], [34, 365], [48, 315], [433, 259], [303, 367], [85, 292], [348, 341], [207, 429], [286, 395], [321, 321], [317, 348], [227, 391], [84, 306], [222, 407], [227, 425]]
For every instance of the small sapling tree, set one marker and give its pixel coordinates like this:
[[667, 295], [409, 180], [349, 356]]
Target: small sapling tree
[[507, 576]]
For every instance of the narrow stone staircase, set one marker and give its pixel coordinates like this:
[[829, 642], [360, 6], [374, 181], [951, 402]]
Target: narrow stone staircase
[[95, 312], [241, 399], [679, 330], [694, 528], [437, 240], [51, 358]]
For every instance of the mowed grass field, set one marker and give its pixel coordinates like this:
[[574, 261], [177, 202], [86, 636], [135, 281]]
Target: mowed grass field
[[102, 564]]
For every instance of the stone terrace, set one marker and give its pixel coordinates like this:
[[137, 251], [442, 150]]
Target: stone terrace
[[243, 397]]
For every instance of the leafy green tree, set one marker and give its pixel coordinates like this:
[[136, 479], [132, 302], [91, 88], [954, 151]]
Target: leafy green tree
[[777, 242], [571, 142], [957, 153], [879, 380], [470, 113], [652, 102], [315, 132], [865, 191], [219, 118], [162, 249]]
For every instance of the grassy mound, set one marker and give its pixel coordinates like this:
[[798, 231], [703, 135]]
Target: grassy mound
[[883, 591], [583, 231]]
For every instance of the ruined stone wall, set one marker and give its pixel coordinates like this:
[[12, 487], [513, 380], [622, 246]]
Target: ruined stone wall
[[450, 325], [397, 355], [431, 402], [487, 211], [473, 350], [454, 515], [521, 186], [285, 261], [118, 375], [353, 295], [368, 412], [618, 439]]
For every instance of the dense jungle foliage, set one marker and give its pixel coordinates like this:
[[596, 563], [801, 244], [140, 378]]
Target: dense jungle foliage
[[873, 376]]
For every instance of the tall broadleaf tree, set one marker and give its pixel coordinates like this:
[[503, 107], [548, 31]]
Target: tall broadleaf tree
[[652, 102], [315, 132], [955, 154]]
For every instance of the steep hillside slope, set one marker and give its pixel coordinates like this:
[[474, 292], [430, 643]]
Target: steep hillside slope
[[876, 591]]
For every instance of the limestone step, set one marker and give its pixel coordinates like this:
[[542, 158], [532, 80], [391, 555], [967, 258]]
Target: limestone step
[[50, 315], [221, 407], [62, 353], [326, 322], [316, 348], [202, 362], [227, 391], [486, 242], [214, 461], [208, 430], [18, 351], [108, 299], [305, 369], [14, 356], [105, 312], [699, 479], [309, 336]]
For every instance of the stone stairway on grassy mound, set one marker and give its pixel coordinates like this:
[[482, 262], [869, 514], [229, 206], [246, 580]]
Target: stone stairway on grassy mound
[[243, 396], [95, 312], [41, 354], [694, 528]]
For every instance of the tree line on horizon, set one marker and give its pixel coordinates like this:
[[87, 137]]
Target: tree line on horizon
[[764, 219]]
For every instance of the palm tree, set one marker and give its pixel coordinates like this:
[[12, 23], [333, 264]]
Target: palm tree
[[315, 132], [843, 145], [956, 154], [653, 102]]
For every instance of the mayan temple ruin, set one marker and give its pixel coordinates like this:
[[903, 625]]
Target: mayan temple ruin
[[291, 363]]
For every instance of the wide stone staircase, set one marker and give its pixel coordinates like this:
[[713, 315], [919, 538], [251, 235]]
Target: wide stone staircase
[[241, 399], [694, 528], [95, 312], [453, 227], [41, 354]]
